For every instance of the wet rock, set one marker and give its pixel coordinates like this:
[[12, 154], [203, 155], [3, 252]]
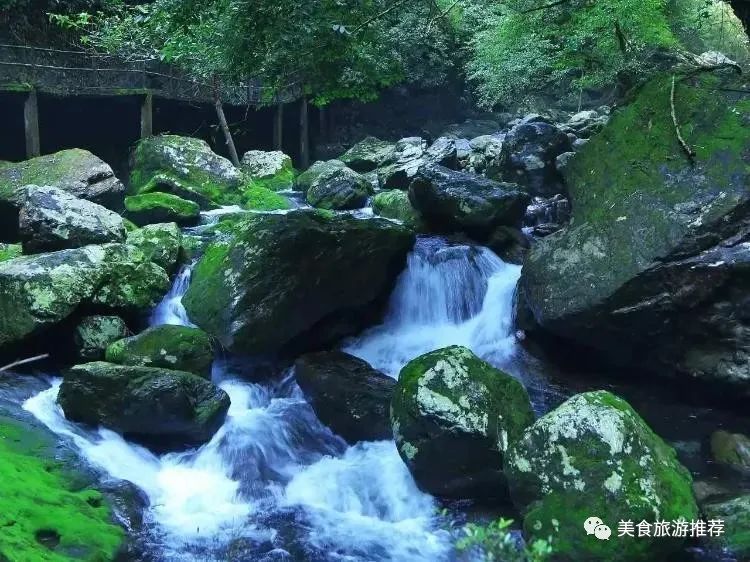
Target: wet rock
[[272, 170], [40, 291], [449, 400], [160, 243], [562, 161], [367, 155], [735, 514], [157, 207], [402, 164], [443, 152], [452, 201], [339, 189], [395, 204], [173, 407], [319, 168], [180, 348], [587, 123], [731, 449], [278, 281], [654, 265], [595, 456], [186, 167], [546, 216], [52, 219], [94, 333], [347, 394], [511, 244]]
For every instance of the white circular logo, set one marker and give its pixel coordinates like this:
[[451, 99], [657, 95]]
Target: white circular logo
[[595, 526]]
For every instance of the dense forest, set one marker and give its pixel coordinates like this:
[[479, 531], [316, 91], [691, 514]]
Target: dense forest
[[492, 305]]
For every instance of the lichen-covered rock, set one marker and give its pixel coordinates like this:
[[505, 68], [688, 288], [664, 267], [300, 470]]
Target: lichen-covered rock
[[735, 514], [306, 178], [94, 333], [10, 251], [454, 417], [157, 207], [180, 348], [395, 204], [347, 394], [594, 456], [451, 201], [367, 155], [186, 167], [339, 189], [258, 198], [160, 243], [731, 449], [173, 407], [653, 267], [272, 170], [403, 163], [278, 281], [39, 291], [52, 219]]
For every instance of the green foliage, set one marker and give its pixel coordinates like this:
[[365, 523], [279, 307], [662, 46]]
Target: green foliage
[[495, 543]]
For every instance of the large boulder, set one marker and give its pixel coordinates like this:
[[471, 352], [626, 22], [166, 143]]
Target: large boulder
[[161, 243], [279, 282], [76, 171], [157, 207], [181, 348], [454, 417], [403, 163], [653, 268], [319, 168], [734, 517], [94, 333], [347, 394], [367, 155], [52, 219], [395, 204], [171, 408], [594, 456], [272, 170], [451, 201], [186, 167], [339, 189], [40, 291]]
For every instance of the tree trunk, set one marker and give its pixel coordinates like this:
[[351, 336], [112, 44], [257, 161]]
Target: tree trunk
[[304, 136], [224, 126]]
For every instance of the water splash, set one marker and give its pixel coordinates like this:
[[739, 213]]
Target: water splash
[[170, 310]]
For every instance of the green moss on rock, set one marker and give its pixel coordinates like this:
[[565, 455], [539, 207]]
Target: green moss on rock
[[94, 333], [270, 170], [395, 204], [10, 251], [256, 197], [150, 208], [736, 516], [160, 243]]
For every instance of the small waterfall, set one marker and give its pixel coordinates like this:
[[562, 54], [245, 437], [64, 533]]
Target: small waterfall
[[170, 310], [448, 295]]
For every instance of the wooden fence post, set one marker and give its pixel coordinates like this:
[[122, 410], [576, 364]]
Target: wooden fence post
[[147, 116], [304, 136], [31, 124]]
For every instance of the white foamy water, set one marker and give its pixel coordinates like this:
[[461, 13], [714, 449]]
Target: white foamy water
[[448, 295], [170, 309]]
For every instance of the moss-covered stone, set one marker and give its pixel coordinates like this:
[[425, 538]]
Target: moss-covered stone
[[150, 208], [276, 280], [306, 178], [650, 268], [259, 198], [449, 400], [735, 514], [175, 407], [160, 243], [172, 347], [272, 170], [186, 167], [10, 251], [94, 333], [44, 517], [731, 449], [367, 154], [595, 456], [339, 189], [395, 204]]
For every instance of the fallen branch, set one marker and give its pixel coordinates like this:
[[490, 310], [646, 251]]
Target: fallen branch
[[20, 362], [685, 146]]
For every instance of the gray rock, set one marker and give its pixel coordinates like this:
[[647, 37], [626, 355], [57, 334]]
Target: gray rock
[[339, 189], [367, 155], [94, 333]]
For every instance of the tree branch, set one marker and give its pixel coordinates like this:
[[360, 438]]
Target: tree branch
[[685, 146], [376, 17], [20, 362]]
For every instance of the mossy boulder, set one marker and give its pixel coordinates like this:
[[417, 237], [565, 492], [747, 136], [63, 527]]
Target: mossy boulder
[[454, 417], [94, 333], [52, 219], [160, 243], [306, 178], [186, 167], [255, 197], [395, 204], [339, 189], [651, 269], [451, 201], [173, 408], [277, 282], [735, 514], [45, 514], [594, 456], [37, 292], [10, 251], [347, 394], [731, 449], [367, 155], [272, 170], [151, 208], [180, 348]]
